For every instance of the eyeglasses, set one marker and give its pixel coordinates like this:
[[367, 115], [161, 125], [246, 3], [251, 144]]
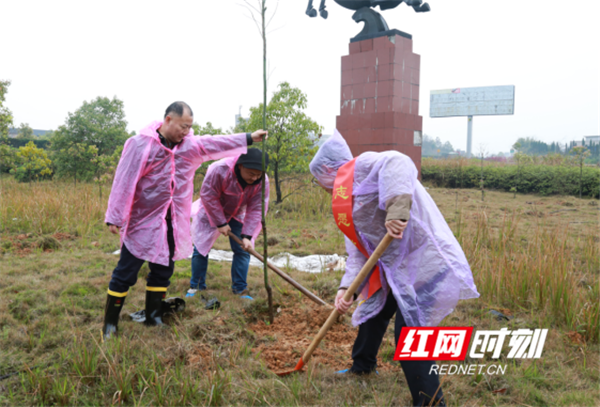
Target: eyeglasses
[[315, 182]]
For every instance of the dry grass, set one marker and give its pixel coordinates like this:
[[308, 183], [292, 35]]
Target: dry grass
[[535, 258]]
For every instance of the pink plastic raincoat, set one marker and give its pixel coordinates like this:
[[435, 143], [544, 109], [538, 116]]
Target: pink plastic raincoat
[[426, 270], [222, 198], [149, 178]]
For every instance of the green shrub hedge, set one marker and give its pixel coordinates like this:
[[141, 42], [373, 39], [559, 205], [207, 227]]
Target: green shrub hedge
[[16, 143], [540, 179]]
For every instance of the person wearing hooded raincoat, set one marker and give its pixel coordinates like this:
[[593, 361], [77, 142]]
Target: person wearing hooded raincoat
[[230, 200], [423, 273], [150, 204]]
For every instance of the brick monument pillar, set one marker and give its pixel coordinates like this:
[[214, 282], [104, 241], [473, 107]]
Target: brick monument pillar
[[380, 97]]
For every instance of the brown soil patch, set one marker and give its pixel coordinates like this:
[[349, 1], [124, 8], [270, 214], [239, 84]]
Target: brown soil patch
[[283, 343], [62, 236], [576, 337], [21, 251], [20, 247], [199, 355]]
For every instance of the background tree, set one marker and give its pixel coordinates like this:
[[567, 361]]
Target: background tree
[[532, 147], [434, 147], [79, 161], [5, 114], [7, 153], [8, 156], [32, 164], [46, 136], [99, 123], [594, 149], [208, 129], [105, 166], [242, 126], [292, 133], [25, 132]]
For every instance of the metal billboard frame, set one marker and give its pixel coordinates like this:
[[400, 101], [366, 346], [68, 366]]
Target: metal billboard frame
[[477, 101]]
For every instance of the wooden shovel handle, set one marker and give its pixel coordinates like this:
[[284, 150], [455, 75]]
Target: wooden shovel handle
[[364, 272], [281, 274]]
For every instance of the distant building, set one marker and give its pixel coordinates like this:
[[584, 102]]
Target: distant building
[[238, 118], [591, 140]]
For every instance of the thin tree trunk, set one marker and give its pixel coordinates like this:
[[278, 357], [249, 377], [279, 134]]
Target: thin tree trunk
[[277, 184], [264, 148]]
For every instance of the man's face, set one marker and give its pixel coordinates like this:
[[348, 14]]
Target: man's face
[[250, 175], [175, 127]]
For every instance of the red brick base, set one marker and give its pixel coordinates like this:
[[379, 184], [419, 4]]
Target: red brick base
[[380, 97]]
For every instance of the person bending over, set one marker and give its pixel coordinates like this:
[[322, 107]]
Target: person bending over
[[230, 201], [422, 274]]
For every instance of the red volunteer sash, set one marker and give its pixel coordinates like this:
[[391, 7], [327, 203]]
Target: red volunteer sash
[[341, 204]]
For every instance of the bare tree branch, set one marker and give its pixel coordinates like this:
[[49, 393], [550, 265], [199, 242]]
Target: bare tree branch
[[250, 6], [250, 9], [301, 186], [275, 29], [273, 15]]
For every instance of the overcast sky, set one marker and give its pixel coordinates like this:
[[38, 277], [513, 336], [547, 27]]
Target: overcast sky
[[149, 53]]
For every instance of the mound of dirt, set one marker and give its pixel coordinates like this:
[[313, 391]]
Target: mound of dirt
[[282, 343]]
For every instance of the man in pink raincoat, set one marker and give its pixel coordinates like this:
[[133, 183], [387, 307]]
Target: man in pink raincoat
[[150, 204], [230, 201], [422, 274]]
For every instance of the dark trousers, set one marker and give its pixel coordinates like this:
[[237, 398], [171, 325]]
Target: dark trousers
[[126, 272], [422, 385]]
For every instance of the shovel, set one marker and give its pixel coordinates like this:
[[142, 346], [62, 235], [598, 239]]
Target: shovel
[[281, 273], [364, 272]]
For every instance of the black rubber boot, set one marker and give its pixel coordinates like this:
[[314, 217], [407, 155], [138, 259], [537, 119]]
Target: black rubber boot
[[113, 308], [154, 307]]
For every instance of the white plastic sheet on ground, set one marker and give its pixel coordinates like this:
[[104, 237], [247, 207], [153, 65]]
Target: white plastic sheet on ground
[[315, 263]]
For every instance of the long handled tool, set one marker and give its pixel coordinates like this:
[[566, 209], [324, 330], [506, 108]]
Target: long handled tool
[[281, 273], [364, 272]]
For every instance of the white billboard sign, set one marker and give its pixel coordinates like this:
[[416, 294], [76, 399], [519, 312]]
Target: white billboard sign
[[480, 101]]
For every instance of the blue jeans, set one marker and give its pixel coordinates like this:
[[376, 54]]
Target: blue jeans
[[239, 266]]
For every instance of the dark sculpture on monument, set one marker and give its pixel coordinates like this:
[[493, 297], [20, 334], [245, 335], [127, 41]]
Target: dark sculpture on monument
[[380, 82], [375, 25]]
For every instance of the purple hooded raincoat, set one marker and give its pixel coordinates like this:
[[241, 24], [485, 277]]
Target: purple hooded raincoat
[[426, 270]]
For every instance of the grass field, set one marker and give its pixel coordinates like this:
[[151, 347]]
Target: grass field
[[534, 259]]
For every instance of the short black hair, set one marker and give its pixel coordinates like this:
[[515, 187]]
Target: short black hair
[[177, 108]]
